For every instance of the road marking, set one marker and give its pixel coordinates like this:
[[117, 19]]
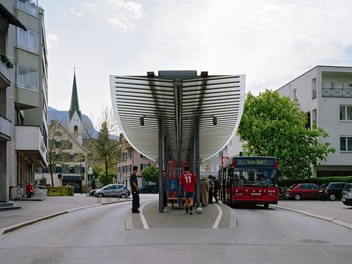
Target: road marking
[[217, 221], [144, 222]]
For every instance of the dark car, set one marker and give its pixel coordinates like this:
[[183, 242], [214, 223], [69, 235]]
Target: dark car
[[346, 194], [331, 190], [148, 189], [300, 191]]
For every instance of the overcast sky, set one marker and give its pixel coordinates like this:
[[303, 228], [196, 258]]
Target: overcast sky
[[270, 41]]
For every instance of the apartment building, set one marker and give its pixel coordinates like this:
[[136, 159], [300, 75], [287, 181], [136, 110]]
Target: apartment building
[[325, 95], [130, 157], [24, 100]]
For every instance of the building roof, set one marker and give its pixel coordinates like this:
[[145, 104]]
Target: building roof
[[74, 101], [178, 98], [11, 18]]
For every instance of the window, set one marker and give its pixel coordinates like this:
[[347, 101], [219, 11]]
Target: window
[[27, 40], [314, 88], [345, 112], [143, 166], [28, 6], [345, 143], [27, 78]]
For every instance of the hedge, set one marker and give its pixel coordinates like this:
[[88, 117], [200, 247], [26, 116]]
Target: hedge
[[60, 191]]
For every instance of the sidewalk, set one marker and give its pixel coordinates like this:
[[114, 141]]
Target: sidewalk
[[34, 210]]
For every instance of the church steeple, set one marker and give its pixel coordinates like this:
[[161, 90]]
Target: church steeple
[[74, 114], [74, 100]]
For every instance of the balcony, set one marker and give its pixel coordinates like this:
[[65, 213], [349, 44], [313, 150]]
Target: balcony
[[4, 74], [5, 129], [29, 140], [337, 92]]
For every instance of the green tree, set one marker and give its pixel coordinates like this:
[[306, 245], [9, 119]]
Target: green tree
[[104, 148], [272, 125], [150, 174]]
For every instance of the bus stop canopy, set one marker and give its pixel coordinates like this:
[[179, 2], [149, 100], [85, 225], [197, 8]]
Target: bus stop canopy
[[179, 101]]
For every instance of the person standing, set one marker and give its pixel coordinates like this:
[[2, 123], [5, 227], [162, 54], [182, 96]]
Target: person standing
[[211, 188], [134, 189], [204, 191], [188, 181], [216, 189]]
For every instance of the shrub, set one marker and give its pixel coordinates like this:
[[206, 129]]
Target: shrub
[[60, 191]]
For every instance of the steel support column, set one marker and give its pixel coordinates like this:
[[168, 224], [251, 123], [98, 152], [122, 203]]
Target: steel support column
[[160, 164], [197, 158]]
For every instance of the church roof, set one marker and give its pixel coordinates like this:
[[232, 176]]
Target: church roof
[[74, 100]]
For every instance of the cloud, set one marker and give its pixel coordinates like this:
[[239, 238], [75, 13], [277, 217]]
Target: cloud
[[124, 13], [90, 6], [76, 13], [52, 41]]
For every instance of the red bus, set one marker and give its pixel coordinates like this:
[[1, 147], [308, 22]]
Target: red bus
[[249, 180]]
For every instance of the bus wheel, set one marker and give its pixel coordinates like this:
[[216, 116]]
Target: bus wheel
[[266, 205]]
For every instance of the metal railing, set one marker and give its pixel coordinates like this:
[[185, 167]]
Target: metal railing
[[337, 92]]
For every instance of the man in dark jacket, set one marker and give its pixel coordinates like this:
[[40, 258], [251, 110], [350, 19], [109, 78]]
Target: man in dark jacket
[[134, 189]]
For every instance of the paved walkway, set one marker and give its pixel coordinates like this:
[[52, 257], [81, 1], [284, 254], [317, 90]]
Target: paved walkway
[[213, 216]]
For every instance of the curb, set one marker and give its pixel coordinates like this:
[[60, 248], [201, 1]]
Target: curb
[[325, 218]]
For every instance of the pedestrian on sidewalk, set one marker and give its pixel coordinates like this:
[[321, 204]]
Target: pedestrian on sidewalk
[[211, 188], [188, 181], [204, 191], [216, 189], [134, 189]]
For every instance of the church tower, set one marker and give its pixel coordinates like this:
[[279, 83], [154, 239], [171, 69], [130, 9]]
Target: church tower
[[74, 114]]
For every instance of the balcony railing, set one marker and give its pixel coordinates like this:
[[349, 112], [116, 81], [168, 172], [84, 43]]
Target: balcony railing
[[4, 74], [30, 139], [28, 6], [5, 128], [337, 92]]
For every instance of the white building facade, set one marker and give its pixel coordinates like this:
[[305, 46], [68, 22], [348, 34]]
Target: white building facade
[[325, 95]]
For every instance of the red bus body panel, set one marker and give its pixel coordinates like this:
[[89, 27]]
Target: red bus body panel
[[255, 195]]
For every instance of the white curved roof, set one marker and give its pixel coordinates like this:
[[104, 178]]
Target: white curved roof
[[178, 98]]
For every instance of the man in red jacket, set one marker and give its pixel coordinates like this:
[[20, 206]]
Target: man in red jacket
[[188, 181]]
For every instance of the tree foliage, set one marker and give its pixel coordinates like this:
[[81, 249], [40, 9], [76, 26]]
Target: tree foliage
[[105, 149], [150, 174], [275, 126]]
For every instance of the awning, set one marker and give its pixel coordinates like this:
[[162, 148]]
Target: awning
[[11, 18], [178, 98]]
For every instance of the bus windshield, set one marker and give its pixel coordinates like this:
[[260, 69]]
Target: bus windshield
[[254, 176]]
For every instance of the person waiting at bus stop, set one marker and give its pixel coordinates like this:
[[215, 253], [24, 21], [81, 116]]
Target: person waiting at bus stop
[[134, 189], [188, 181]]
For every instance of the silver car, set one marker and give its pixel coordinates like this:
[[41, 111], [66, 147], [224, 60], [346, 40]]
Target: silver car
[[113, 190]]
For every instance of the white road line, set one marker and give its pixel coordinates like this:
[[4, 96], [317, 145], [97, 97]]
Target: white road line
[[144, 222], [217, 221]]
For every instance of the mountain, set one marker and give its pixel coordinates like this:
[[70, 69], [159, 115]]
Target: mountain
[[62, 116]]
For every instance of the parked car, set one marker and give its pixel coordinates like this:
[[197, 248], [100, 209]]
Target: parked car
[[113, 190], [148, 189], [300, 191], [92, 192], [331, 190], [347, 194]]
